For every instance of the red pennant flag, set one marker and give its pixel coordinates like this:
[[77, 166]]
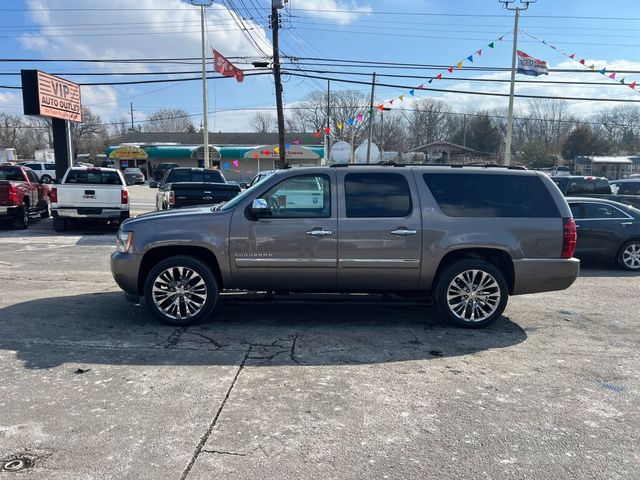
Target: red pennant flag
[[317, 134], [255, 155], [633, 85], [439, 76], [327, 131], [613, 75], [572, 56], [479, 52], [582, 61], [450, 69], [380, 107], [225, 67]]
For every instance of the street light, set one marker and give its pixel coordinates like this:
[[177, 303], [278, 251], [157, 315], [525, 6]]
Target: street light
[[521, 6], [205, 125]]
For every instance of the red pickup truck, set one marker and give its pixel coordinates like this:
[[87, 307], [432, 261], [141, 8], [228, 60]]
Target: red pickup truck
[[22, 195]]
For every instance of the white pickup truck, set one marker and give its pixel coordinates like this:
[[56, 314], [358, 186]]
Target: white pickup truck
[[89, 194]]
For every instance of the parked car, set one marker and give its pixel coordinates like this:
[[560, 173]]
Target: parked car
[[108, 163], [89, 194], [22, 194], [595, 187], [607, 229], [46, 171], [160, 170], [630, 186], [133, 176], [560, 171], [187, 187], [469, 235]]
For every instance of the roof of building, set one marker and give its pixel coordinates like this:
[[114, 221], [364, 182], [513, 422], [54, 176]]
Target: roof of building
[[441, 145], [626, 160], [217, 138]]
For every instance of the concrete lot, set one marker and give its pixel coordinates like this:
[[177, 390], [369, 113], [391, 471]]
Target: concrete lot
[[92, 387]]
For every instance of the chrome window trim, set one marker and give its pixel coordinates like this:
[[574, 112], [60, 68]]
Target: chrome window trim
[[626, 215]]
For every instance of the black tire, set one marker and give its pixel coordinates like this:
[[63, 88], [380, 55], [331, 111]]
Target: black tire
[[160, 304], [46, 179], [491, 303], [21, 220], [59, 224], [628, 257]]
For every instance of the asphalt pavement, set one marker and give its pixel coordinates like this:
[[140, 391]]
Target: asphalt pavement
[[331, 386]]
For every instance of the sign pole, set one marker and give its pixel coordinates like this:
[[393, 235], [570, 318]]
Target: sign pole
[[507, 148], [205, 125], [62, 146]]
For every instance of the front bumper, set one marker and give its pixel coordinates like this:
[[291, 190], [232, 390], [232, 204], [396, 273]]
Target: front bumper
[[125, 268], [533, 275]]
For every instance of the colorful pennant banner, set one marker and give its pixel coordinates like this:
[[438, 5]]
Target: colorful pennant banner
[[603, 71]]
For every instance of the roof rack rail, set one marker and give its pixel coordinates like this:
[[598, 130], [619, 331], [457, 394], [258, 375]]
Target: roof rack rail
[[452, 165]]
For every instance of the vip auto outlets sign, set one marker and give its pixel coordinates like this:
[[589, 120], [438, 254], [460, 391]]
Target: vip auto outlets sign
[[50, 96]]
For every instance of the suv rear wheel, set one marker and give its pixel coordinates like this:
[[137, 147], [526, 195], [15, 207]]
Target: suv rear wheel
[[471, 293], [181, 290]]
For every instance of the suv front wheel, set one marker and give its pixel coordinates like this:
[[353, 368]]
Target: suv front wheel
[[181, 290], [471, 293]]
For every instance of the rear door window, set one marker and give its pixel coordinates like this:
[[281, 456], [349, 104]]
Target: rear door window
[[601, 211], [491, 195], [93, 177], [630, 188], [377, 195], [34, 166]]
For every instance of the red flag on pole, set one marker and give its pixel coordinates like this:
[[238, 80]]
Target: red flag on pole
[[225, 67]]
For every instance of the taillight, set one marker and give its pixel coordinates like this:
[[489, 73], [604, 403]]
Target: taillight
[[569, 237], [13, 194], [53, 195], [124, 197], [172, 198]]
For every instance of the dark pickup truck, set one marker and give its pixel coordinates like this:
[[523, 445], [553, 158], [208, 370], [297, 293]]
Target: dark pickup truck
[[187, 187], [22, 194], [594, 187]]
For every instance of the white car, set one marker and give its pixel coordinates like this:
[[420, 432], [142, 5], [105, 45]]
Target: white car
[[46, 171], [89, 194]]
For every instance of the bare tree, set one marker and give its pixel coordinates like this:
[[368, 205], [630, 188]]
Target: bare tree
[[428, 121], [169, 120], [90, 135], [263, 122]]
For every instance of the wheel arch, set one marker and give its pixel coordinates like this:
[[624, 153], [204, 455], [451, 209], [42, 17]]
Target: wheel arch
[[495, 256], [158, 254]]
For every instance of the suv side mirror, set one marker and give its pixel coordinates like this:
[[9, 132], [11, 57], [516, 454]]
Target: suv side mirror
[[259, 207], [46, 181], [154, 184]]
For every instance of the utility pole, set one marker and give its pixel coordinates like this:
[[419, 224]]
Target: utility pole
[[464, 129], [373, 91], [509, 5], [327, 139], [132, 127], [205, 125], [275, 25]]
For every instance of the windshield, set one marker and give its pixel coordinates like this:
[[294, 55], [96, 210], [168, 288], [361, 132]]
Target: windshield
[[247, 193]]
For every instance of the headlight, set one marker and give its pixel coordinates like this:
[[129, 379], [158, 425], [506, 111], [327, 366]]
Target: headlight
[[123, 241]]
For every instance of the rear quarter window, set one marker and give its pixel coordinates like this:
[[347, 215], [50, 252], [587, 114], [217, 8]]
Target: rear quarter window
[[491, 195]]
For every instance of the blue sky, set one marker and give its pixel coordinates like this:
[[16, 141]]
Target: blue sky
[[411, 31]]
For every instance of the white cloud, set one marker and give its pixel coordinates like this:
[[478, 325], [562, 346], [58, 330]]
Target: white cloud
[[342, 12]]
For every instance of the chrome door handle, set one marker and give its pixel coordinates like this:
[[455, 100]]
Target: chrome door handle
[[320, 232], [403, 232], [627, 224]]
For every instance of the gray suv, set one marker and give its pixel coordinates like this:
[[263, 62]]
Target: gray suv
[[471, 236]]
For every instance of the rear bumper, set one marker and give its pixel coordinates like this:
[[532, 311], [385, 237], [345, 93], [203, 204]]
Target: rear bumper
[[105, 214], [9, 211], [125, 268], [533, 275]]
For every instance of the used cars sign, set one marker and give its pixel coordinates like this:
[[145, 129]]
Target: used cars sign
[[50, 96]]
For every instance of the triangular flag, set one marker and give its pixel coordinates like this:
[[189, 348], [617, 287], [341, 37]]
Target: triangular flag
[[317, 134], [401, 97], [327, 131], [450, 69], [391, 102], [350, 121], [360, 117], [479, 52], [339, 125], [470, 58], [256, 155], [235, 163], [430, 80], [421, 86], [603, 71], [572, 56], [287, 146], [459, 65], [632, 85], [582, 61], [225, 165], [296, 141], [501, 38], [613, 75], [371, 112], [592, 67], [412, 92], [380, 107], [439, 76], [490, 45], [275, 150], [622, 81]]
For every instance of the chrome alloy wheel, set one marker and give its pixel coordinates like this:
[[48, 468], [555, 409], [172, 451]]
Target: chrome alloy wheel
[[179, 293], [631, 256], [473, 295]]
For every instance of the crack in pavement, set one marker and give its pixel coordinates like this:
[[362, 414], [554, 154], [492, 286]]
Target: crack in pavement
[[207, 434], [222, 452], [173, 338]]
